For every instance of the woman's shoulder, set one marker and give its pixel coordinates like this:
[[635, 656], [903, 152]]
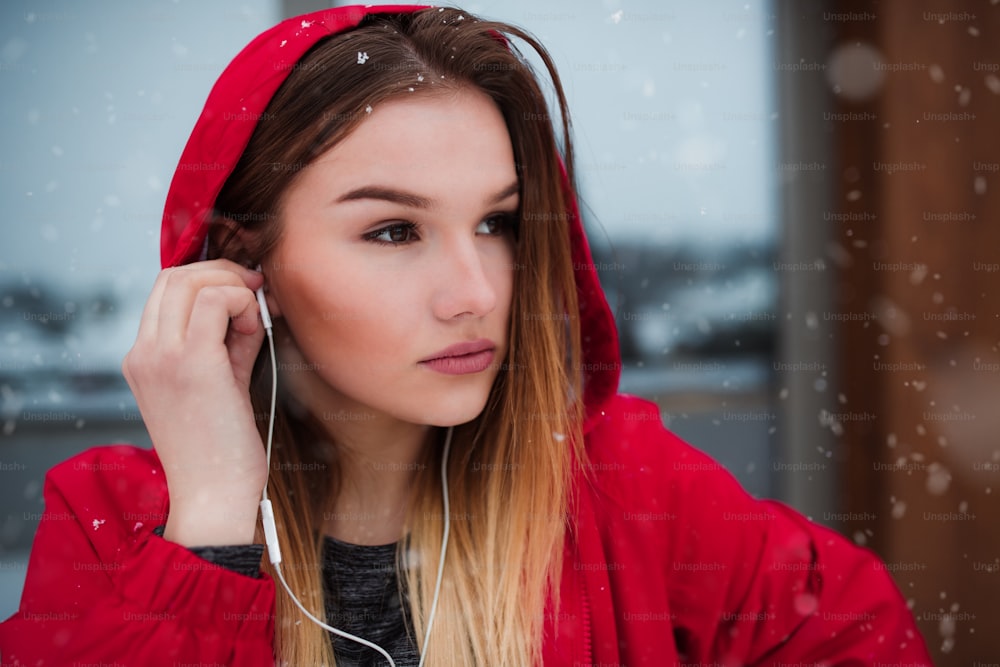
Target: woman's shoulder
[[108, 486], [637, 466], [107, 465], [121, 452], [630, 438]]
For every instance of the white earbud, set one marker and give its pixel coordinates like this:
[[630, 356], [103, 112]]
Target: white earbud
[[265, 314]]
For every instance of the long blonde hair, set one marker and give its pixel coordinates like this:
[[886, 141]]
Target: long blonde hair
[[510, 468]]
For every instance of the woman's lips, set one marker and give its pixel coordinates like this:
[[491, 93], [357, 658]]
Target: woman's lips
[[462, 358]]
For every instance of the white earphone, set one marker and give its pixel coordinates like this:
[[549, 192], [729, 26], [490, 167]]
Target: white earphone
[[271, 532]]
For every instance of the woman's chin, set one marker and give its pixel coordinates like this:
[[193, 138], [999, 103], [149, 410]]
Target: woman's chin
[[460, 412]]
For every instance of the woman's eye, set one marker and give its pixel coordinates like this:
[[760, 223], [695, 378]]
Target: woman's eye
[[398, 234], [497, 224]]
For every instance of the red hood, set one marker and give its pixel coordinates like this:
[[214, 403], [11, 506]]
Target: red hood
[[240, 97]]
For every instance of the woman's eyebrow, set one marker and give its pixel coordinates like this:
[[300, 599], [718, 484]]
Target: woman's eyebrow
[[410, 199], [512, 189]]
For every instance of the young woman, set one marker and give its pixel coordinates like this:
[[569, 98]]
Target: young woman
[[454, 476]]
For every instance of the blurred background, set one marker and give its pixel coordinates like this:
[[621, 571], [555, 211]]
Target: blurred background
[[793, 208]]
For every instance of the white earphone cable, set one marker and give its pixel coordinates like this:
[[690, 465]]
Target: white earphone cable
[[444, 542], [274, 393]]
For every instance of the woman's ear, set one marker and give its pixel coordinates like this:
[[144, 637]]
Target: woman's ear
[[229, 239], [226, 238]]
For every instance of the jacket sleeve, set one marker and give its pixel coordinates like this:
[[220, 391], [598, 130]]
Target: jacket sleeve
[[102, 588], [754, 582], [788, 591]]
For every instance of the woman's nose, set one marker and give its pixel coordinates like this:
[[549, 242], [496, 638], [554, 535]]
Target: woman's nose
[[466, 281]]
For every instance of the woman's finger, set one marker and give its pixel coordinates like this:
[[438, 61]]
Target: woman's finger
[[182, 288], [215, 308], [149, 321]]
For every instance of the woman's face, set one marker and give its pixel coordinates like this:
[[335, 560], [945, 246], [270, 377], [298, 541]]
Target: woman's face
[[397, 245]]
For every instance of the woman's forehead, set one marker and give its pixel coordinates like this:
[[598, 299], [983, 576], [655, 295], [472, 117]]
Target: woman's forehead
[[430, 142]]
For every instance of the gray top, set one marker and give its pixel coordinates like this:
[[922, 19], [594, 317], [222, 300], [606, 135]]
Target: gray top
[[362, 597]]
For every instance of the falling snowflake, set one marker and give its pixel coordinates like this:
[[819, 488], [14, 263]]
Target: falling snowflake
[[362, 57], [368, 109], [97, 523], [938, 479], [806, 604]]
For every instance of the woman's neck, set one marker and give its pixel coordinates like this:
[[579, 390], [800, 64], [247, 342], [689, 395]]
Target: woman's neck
[[376, 473]]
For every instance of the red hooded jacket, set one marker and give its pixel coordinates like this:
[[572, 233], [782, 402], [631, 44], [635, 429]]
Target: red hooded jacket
[[670, 562]]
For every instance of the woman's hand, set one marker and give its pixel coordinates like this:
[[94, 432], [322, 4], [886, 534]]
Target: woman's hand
[[190, 372]]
